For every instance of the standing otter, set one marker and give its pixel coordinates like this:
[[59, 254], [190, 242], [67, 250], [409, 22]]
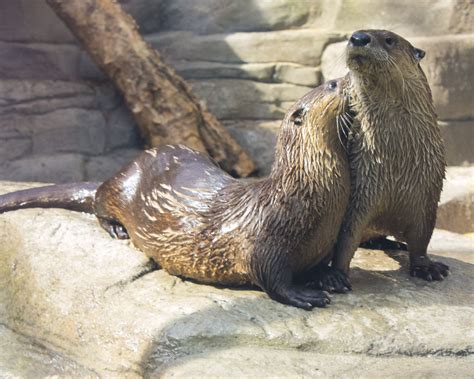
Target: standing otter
[[198, 222], [397, 158]]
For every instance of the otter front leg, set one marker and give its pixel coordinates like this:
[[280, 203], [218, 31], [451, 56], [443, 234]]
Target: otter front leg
[[270, 270], [421, 266]]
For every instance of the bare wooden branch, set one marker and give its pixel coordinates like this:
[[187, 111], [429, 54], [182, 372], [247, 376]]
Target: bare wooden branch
[[163, 105]]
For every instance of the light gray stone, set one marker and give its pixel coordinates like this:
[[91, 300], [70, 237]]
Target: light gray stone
[[458, 138], [12, 148], [58, 168], [297, 74], [31, 21], [244, 99], [425, 17], [41, 96], [21, 357], [456, 208], [262, 72], [64, 130], [449, 67], [38, 61], [251, 362], [88, 70], [258, 138], [69, 130], [122, 130], [82, 297], [333, 61], [100, 168], [210, 16], [301, 46], [211, 70]]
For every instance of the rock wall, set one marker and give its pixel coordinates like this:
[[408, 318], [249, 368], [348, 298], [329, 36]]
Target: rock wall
[[248, 60]]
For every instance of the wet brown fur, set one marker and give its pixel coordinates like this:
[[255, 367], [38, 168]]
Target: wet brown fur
[[397, 158], [198, 222]]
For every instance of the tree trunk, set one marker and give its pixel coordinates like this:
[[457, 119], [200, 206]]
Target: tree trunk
[[163, 106]]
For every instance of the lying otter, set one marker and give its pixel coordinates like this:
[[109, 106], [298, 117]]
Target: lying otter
[[198, 222], [397, 158]]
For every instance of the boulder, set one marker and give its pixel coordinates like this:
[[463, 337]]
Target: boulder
[[333, 61], [424, 17], [31, 21], [97, 302], [39, 61], [458, 137], [456, 208], [237, 99], [210, 16], [100, 168], [58, 168], [258, 138], [22, 357], [300, 46], [449, 69], [262, 72]]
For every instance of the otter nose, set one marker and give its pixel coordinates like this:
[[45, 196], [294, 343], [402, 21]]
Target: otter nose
[[359, 39]]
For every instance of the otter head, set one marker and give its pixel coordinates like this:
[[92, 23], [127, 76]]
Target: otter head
[[381, 56], [314, 129]]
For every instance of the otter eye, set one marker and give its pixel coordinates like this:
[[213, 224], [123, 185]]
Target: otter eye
[[419, 54], [297, 116], [332, 84], [389, 41]]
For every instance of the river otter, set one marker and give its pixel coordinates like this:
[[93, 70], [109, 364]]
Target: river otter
[[396, 152], [198, 222]]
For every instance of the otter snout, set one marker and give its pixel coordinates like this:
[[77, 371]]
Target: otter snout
[[359, 39]]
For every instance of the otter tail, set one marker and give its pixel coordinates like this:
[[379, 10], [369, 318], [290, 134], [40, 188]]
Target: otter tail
[[73, 196]]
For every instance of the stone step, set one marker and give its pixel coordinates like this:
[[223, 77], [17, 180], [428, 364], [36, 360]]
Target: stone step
[[80, 297], [301, 46]]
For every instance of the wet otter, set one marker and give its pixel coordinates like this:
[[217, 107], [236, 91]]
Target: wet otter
[[198, 222], [397, 158]]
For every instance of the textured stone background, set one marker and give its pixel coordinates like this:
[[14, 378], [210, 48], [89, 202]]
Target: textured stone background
[[248, 60]]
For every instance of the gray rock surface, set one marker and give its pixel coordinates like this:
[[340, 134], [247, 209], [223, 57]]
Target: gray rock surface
[[458, 137], [456, 209], [254, 100], [301, 46], [23, 357], [449, 68], [270, 50], [85, 299]]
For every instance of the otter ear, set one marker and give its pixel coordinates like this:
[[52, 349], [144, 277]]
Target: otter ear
[[298, 116], [419, 54]]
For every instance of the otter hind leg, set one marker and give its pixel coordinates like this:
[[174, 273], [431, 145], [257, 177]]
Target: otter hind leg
[[115, 229], [270, 270]]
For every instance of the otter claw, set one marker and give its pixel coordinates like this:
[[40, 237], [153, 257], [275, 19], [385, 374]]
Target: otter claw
[[305, 298], [432, 271], [332, 280]]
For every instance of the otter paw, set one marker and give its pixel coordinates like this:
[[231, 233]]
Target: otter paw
[[330, 279], [305, 298], [431, 271], [118, 231]]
